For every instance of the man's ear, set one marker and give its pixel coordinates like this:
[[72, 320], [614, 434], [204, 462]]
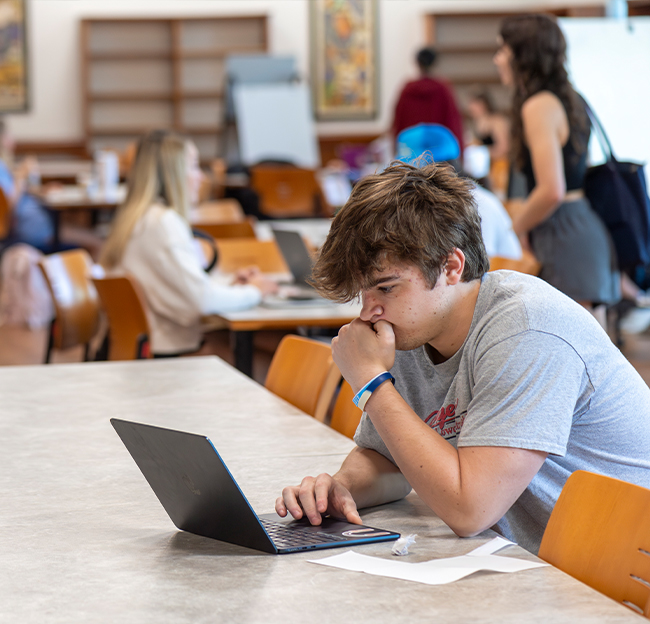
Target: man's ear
[[454, 266]]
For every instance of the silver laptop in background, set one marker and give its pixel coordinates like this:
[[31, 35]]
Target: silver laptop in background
[[296, 255], [201, 496]]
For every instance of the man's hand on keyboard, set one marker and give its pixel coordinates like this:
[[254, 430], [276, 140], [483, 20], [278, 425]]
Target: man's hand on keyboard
[[315, 497]]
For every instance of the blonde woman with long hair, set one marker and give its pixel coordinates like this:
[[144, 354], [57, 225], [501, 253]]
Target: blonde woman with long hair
[[152, 240]]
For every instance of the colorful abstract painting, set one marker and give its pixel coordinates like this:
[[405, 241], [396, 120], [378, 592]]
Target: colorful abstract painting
[[344, 58], [13, 57]]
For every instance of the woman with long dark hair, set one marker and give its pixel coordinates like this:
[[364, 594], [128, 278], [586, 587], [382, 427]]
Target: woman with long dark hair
[[550, 136]]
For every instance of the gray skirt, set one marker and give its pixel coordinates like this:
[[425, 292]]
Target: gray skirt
[[577, 254]]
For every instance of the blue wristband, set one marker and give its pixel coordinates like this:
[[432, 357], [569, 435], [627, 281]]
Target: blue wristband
[[361, 398]]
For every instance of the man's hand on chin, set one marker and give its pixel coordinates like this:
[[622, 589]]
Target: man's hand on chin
[[363, 350]]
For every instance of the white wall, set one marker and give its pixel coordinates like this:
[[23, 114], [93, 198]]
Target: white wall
[[54, 49], [618, 90]]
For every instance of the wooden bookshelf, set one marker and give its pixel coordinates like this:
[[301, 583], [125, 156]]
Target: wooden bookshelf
[[141, 74], [466, 43]]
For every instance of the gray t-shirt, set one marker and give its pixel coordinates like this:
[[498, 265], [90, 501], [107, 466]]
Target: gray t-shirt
[[536, 371]]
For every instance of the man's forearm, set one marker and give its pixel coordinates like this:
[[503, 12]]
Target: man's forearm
[[371, 478], [469, 488]]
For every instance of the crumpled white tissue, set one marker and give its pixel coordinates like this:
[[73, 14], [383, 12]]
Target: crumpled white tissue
[[401, 546]]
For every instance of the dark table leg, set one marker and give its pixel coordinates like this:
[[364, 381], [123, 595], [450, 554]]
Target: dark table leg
[[56, 224], [243, 350]]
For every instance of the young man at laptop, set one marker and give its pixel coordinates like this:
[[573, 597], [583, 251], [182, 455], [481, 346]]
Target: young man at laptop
[[502, 387]]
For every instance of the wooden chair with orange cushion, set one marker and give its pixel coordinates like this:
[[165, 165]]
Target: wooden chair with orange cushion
[[76, 304], [287, 191], [5, 216], [231, 229], [303, 373], [128, 326], [217, 211], [239, 253], [218, 171], [345, 415], [499, 176], [527, 264], [599, 533]]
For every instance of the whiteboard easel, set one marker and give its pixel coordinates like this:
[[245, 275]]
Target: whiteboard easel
[[274, 122]]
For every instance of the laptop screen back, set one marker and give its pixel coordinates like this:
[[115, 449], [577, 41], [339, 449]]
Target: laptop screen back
[[295, 253]]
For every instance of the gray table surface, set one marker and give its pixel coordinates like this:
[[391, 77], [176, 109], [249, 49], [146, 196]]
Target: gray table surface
[[84, 538]]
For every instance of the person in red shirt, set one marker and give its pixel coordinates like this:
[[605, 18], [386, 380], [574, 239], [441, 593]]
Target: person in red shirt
[[427, 100]]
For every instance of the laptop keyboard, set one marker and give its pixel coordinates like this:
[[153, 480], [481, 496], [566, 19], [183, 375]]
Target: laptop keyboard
[[289, 536]]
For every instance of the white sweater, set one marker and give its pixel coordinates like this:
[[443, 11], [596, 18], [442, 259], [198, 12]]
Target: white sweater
[[162, 256]]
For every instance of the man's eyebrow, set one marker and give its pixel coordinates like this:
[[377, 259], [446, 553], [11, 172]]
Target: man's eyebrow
[[375, 281]]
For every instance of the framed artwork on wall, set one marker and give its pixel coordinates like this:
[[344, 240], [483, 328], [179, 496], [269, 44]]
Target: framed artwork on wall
[[14, 86], [344, 59]]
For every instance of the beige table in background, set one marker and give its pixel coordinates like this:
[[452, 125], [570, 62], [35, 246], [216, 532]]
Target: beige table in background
[[65, 171], [243, 325], [75, 198], [84, 538]]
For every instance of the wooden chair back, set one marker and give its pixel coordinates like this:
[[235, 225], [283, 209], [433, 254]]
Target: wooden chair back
[[345, 415], [238, 253], [76, 304], [128, 326], [218, 173], [599, 533], [527, 264], [303, 373], [286, 191], [205, 188], [217, 211], [5, 216], [232, 229]]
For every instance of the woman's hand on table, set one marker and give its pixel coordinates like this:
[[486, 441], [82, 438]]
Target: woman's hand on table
[[252, 275]]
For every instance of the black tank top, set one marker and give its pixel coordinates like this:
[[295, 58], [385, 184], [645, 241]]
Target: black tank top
[[575, 162], [486, 139]]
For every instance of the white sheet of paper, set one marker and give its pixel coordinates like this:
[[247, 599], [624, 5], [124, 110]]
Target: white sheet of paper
[[436, 571]]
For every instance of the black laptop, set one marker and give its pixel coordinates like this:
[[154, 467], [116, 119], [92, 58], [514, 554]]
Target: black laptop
[[296, 255], [200, 495]]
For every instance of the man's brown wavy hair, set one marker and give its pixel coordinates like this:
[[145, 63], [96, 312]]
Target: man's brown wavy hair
[[405, 215]]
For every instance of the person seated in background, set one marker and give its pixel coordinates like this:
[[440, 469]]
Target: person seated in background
[[30, 221], [496, 226], [152, 240], [427, 100], [436, 143], [491, 128], [502, 385]]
